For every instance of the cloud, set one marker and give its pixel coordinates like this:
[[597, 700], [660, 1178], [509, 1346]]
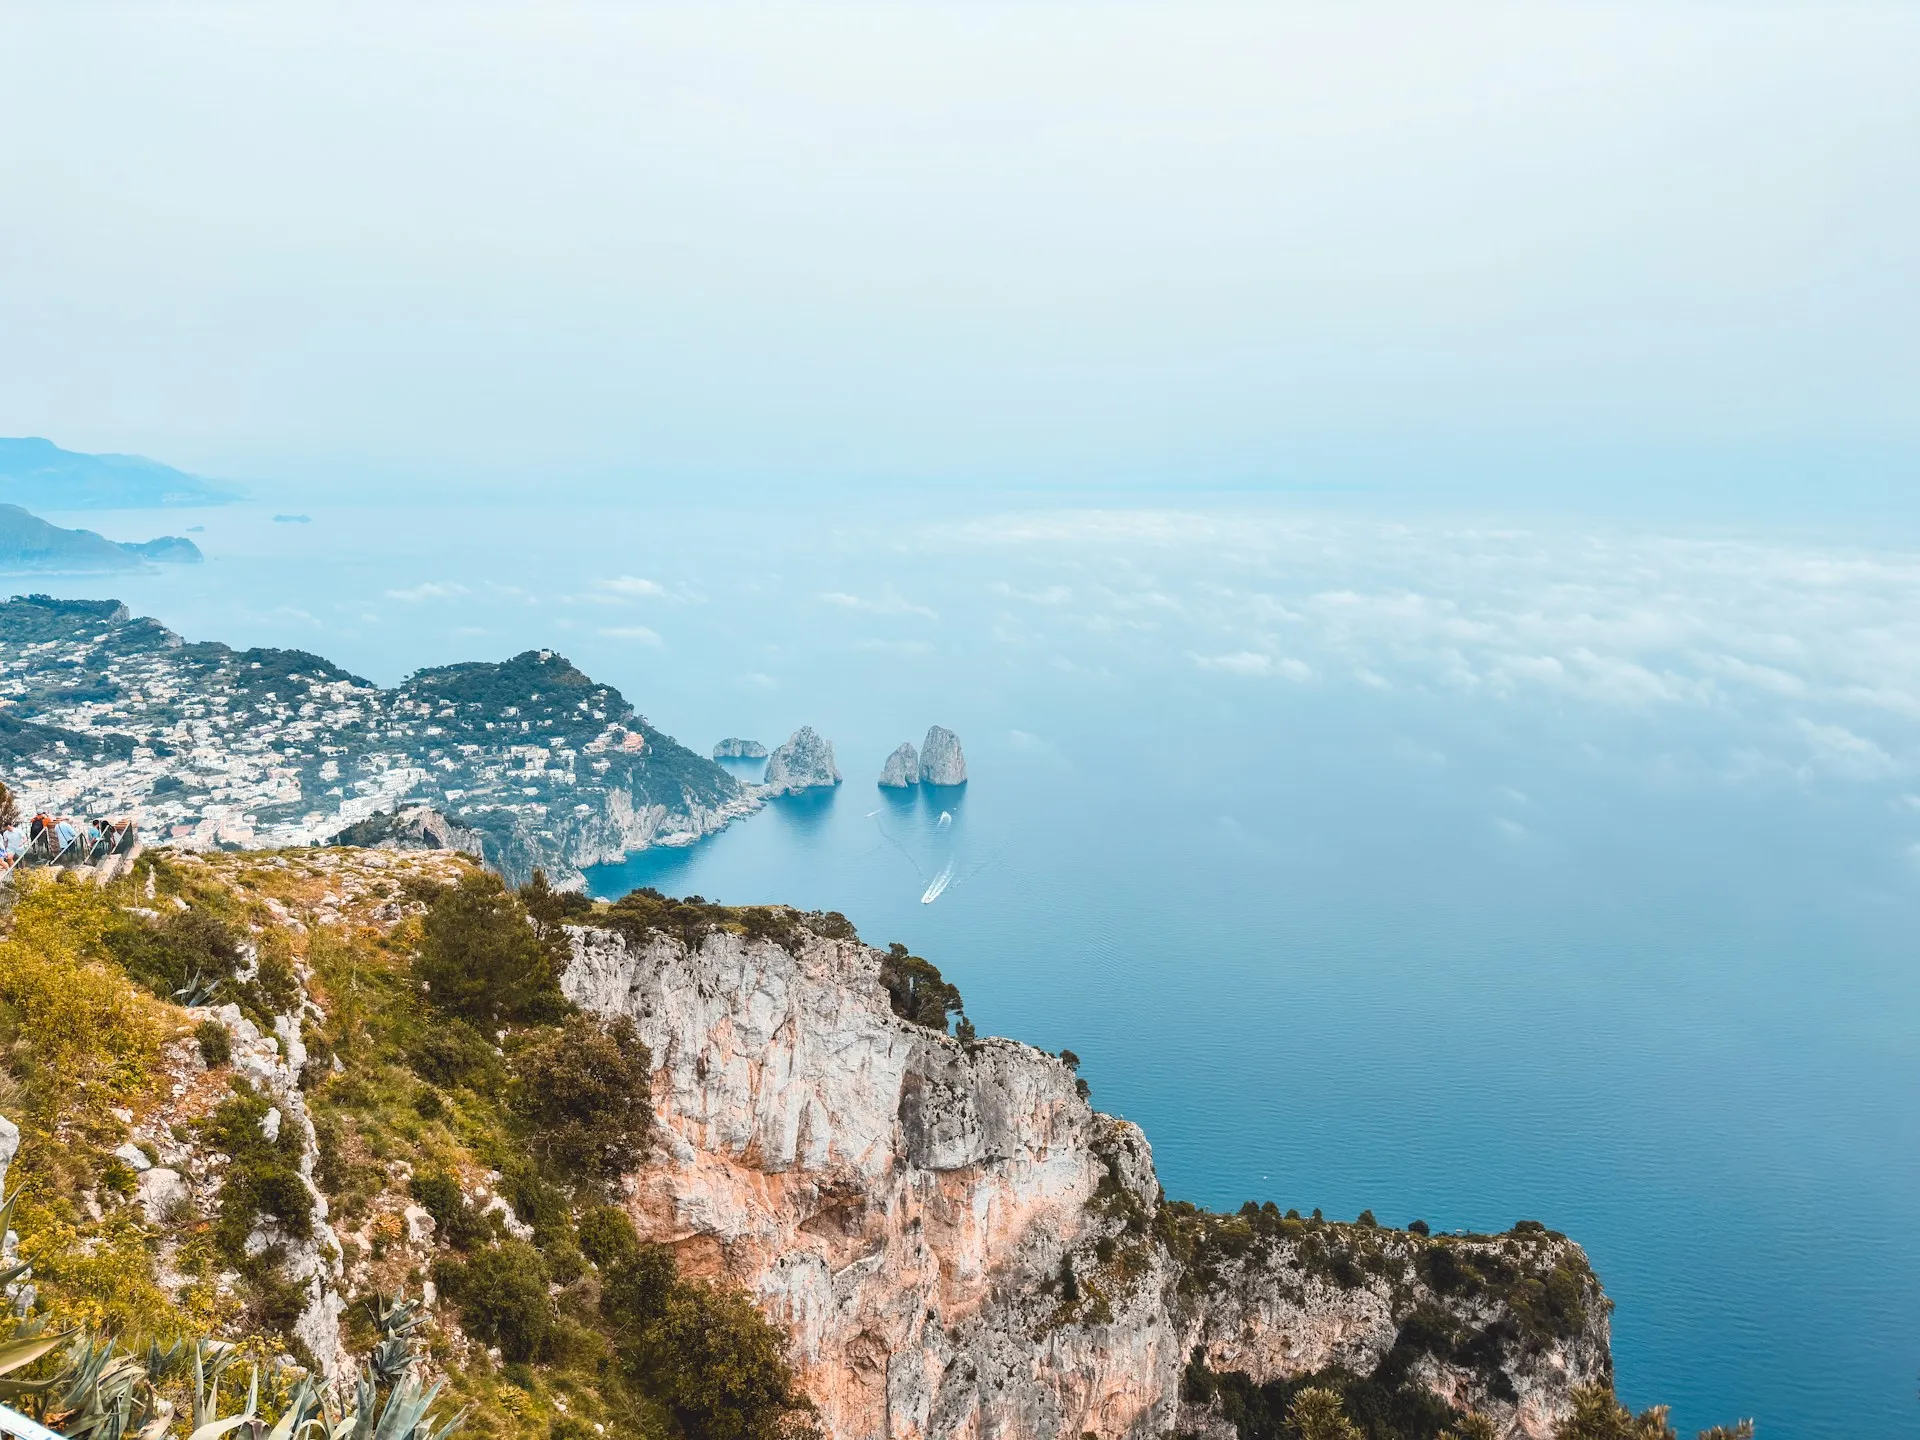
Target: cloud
[[430, 590], [632, 586], [1252, 662], [888, 603], [631, 632], [1839, 751]]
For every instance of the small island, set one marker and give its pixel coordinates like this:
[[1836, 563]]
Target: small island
[[805, 762], [902, 770], [941, 760], [29, 543], [734, 748]]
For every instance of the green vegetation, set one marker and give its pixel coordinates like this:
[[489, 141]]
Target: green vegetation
[[263, 1175], [464, 1075], [1597, 1415], [479, 958], [917, 991], [583, 1096], [704, 1354]]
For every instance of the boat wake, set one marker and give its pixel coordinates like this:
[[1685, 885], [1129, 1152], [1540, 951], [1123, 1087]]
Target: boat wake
[[940, 883]]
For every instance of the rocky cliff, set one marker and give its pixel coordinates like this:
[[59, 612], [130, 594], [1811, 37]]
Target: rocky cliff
[[941, 759], [902, 768], [959, 1245], [805, 762], [734, 748]]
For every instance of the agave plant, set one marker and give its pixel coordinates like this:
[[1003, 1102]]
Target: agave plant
[[197, 993], [98, 1392]]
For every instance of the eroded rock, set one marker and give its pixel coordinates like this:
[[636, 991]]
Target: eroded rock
[[805, 762], [902, 769], [941, 759]]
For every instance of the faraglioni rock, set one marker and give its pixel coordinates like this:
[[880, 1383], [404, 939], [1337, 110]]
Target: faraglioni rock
[[902, 768], [734, 748], [941, 760], [958, 1245], [805, 762]]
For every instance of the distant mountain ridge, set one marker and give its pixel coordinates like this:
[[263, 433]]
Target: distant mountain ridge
[[29, 543], [38, 472]]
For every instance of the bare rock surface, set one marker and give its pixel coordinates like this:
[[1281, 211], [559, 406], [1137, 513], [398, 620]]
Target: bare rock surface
[[902, 769], [9, 1147], [941, 760], [734, 748], [905, 1204], [805, 762]]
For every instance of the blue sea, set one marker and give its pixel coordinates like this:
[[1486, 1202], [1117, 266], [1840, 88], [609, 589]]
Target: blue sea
[[1466, 868]]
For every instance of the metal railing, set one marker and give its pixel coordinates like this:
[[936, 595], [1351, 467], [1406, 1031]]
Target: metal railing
[[12, 1422]]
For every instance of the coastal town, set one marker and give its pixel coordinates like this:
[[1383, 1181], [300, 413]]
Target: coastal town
[[526, 762]]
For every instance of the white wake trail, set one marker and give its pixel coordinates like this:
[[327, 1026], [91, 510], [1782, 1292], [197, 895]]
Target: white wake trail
[[940, 883]]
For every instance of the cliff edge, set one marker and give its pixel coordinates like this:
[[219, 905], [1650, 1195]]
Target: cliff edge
[[958, 1244]]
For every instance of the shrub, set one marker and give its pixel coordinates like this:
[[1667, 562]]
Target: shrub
[[832, 925], [480, 958], [710, 1358], [1316, 1415], [452, 1052], [1419, 1227], [916, 990], [454, 1220], [607, 1236], [275, 986], [216, 1045], [263, 1176], [502, 1295], [584, 1092], [93, 1037], [172, 955]]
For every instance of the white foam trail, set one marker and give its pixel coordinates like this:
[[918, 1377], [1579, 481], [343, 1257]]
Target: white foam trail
[[940, 882], [872, 813], [946, 819]]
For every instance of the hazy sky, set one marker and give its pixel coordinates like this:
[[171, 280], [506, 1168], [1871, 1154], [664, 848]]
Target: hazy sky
[[1552, 248]]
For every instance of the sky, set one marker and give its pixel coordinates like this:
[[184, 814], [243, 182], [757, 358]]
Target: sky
[[1528, 254]]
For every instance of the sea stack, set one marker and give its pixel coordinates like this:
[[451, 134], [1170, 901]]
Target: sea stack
[[902, 768], [941, 761], [805, 762], [734, 748]]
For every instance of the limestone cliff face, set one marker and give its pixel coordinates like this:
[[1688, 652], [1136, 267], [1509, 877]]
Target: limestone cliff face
[[904, 1203], [941, 759], [902, 768], [805, 762], [734, 748]]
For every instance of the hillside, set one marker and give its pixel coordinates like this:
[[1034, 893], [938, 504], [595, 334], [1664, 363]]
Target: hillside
[[38, 473], [28, 543], [216, 747], [663, 1168]]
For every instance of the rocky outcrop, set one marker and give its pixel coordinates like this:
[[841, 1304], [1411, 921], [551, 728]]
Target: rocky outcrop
[[941, 759], [9, 1241], [902, 768], [909, 1207], [734, 748], [805, 762], [419, 827]]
